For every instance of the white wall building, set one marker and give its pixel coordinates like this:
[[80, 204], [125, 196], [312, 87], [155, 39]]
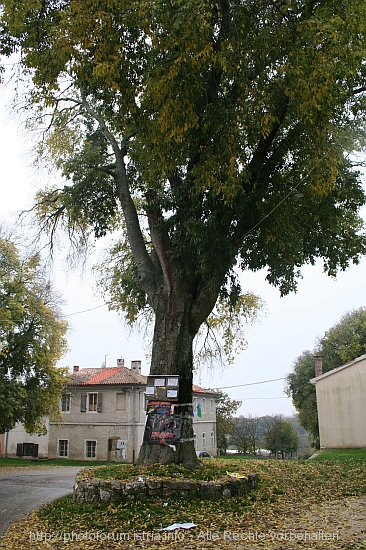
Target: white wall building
[[103, 416], [341, 401]]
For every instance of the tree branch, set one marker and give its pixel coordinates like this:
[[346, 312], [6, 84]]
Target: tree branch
[[265, 143], [146, 269]]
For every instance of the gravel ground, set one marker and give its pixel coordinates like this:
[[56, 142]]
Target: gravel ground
[[25, 489]]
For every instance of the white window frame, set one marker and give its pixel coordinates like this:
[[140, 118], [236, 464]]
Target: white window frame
[[65, 398], [86, 449], [203, 441], [67, 448], [94, 404]]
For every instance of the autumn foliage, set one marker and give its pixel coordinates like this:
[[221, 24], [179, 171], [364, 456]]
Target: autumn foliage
[[297, 504]]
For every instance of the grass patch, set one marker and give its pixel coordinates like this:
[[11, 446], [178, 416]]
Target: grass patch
[[212, 471], [292, 498], [238, 456], [341, 455], [22, 462], [283, 485]]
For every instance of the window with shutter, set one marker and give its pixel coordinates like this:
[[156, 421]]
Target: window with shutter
[[83, 403], [28, 449], [92, 402], [66, 402]]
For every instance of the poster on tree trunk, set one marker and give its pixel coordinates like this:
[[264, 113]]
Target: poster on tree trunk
[[163, 426], [162, 429]]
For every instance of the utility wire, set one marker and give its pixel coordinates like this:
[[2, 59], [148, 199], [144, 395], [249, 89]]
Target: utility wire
[[65, 315], [85, 310], [250, 384], [256, 398], [289, 194]]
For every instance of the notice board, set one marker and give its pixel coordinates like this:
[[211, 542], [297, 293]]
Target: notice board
[[162, 388]]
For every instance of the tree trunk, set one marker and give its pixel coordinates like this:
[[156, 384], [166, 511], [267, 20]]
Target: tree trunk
[[172, 354], [180, 303]]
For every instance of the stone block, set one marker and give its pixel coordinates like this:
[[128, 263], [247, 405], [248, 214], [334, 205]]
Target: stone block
[[154, 487], [94, 490], [210, 490]]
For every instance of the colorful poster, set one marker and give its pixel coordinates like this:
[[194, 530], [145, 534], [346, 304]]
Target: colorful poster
[[162, 429]]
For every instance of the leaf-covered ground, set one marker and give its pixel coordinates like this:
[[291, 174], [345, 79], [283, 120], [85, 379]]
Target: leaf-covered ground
[[305, 505]]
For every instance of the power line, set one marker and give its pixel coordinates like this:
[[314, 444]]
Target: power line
[[64, 315], [288, 195], [250, 384], [84, 310], [281, 397]]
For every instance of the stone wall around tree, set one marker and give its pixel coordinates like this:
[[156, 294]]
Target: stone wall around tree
[[99, 490]]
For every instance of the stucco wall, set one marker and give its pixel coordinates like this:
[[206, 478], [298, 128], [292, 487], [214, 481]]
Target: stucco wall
[[122, 418], [204, 426], [19, 435], [78, 434], [119, 419], [341, 399]]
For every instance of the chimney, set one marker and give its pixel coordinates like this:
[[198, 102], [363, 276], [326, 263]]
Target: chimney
[[120, 362], [76, 368], [318, 365], [136, 367]]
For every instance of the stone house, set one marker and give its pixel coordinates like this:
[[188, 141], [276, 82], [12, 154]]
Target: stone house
[[103, 415], [340, 395]]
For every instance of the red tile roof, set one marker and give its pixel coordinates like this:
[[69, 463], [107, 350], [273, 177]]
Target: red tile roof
[[103, 375], [198, 389], [115, 376], [106, 376]]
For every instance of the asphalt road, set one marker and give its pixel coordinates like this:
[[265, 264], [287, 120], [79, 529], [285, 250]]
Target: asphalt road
[[25, 489]]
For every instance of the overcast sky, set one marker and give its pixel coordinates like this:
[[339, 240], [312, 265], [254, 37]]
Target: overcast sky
[[287, 327]]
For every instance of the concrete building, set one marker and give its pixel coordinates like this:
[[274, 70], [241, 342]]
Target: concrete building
[[204, 420], [103, 416], [19, 443], [341, 402]]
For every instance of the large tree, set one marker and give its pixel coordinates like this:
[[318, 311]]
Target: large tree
[[32, 340], [339, 345], [246, 434], [194, 125], [280, 437]]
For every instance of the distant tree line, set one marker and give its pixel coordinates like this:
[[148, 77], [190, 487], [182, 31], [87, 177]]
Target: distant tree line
[[342, 343], [251, 435]]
